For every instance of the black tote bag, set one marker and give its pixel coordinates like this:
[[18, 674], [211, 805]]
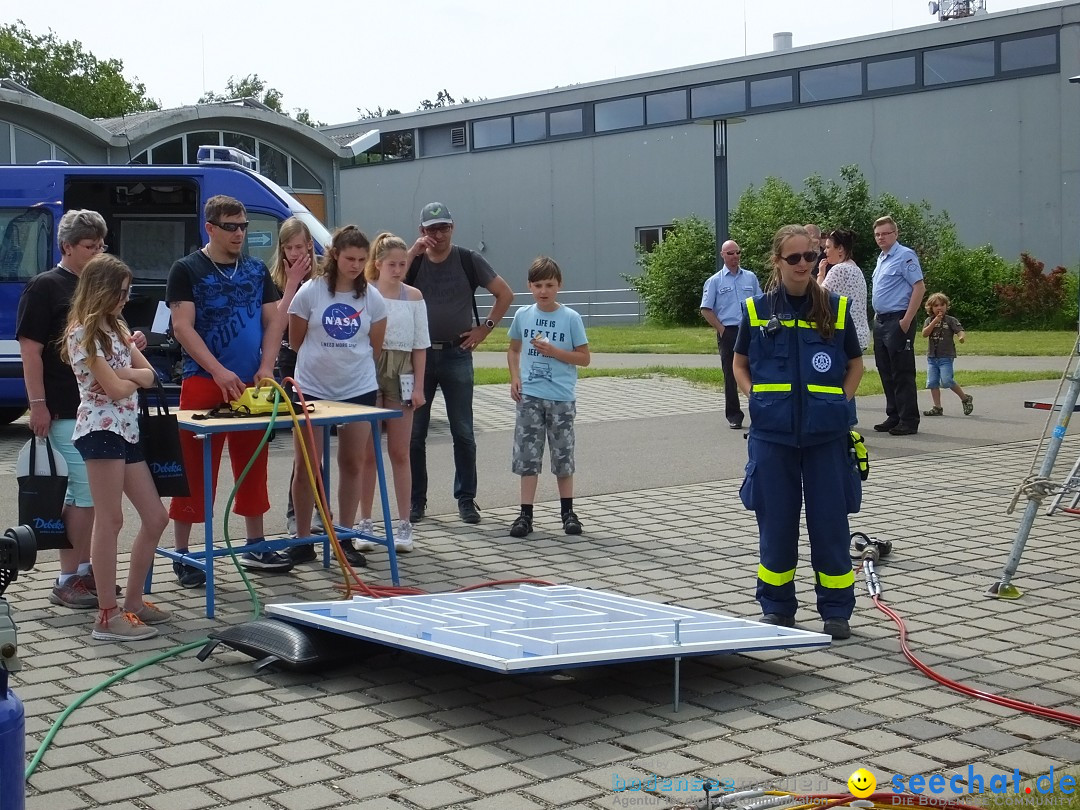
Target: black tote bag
[[159, 435], [41, 501]]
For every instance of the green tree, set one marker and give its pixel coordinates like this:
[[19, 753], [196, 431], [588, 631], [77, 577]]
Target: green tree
[[66, 74], [252, 86], [674, 272]]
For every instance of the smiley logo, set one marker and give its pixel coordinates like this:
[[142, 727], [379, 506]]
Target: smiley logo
[[861, 783]]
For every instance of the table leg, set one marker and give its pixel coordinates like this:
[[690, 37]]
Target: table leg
[[376, 437], [208, 518]]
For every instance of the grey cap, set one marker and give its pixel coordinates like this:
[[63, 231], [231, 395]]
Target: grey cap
[[435, 214]]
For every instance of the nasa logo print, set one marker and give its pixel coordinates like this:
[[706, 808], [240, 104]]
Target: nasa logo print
[[821, 362], [341, 321]]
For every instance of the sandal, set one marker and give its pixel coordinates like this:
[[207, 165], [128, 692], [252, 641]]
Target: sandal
[[937, 410], [969, 405]]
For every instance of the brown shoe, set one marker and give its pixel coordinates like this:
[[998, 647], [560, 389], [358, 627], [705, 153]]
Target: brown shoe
[[74, 594]]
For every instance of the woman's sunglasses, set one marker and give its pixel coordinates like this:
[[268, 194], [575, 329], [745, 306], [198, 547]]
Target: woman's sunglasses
[[795, 258]]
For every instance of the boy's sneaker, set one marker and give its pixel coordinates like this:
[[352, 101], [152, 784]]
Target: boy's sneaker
[[937, 410], [468, 511], [367, 526], [352, 556], [403, 539], [969, 405], [301, 554], [150, 613], [272, 561], [521, 526], [74, 594], [570, 523], [119, 625], [188, 575]]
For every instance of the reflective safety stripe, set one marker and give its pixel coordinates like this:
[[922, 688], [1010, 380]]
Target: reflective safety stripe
[[841, 311], [842, 581], [782, 578], [752, 312], [825, 389], [771, 387]]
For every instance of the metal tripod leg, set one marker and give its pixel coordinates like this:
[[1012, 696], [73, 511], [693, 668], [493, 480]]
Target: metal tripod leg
[[1004, 589]]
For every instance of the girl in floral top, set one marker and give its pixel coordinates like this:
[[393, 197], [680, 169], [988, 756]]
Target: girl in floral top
[[109, 371]]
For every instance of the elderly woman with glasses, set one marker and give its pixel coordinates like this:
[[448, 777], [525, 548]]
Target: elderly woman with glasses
[[798, 360]]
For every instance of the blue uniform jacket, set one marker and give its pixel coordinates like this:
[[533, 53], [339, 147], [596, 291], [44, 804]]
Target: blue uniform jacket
[[797, 396]]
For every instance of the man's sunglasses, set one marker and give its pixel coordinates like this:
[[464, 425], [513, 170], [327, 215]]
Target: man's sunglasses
[[795, 258], [231, 227]]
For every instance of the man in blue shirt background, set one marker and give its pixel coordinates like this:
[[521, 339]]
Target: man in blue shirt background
[[721, 306], [897, 294]]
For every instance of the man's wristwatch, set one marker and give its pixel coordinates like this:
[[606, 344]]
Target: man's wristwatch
[[490, 324]]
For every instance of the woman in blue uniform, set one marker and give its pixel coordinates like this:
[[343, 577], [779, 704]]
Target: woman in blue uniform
[[797, 359]]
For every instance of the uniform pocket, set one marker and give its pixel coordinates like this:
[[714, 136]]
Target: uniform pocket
[[852, 488], [746, 490], [826, 413], [772, 411]]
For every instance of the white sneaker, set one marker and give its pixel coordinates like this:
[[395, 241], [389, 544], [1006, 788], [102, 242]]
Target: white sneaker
[[403, 539], [364, 546]]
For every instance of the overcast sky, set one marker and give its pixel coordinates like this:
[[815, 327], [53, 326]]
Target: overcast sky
[[333, 56]]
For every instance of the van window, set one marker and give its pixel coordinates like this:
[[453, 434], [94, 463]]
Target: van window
[[262, 236], [25, 249]]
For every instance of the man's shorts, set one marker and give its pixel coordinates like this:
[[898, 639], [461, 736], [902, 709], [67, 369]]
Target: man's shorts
[[939, 372], [537, 418], [78, 486]]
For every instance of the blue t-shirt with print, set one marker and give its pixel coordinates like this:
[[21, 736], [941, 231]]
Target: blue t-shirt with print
[[545, 377], [228, 309]]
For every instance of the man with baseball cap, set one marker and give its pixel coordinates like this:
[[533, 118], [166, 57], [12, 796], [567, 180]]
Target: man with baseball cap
[[448, 276]]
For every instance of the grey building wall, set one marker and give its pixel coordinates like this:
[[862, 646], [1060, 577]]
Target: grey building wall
[[999, 156]]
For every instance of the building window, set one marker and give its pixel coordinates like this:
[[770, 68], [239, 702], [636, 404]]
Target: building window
[[958, 64], [565, 122], [718, 99], [245, 143], [1029, 52], [197, 139], [530, 127], [273, 163], [29, 148], [651, 236], [399, 145], [168, 153], [660, 108], [766, 92], [890, 73], [493, 132], [834, 81], [621, 113]]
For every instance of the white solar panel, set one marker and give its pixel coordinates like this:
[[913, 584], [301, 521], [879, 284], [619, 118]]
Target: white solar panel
[[534, 627]]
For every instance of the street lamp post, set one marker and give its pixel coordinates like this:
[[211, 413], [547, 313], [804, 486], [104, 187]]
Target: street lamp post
[[720, 185]]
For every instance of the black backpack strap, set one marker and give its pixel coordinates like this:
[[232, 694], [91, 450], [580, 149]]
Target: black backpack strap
[[469, 266], [414, 269]]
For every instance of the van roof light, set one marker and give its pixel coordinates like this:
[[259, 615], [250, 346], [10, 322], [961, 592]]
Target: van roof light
[[227, 155]]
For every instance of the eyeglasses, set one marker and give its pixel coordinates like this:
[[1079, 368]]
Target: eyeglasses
[[96, 247], [443, 228], [732, 252], [231, 227], [883, 233], [795, 258]]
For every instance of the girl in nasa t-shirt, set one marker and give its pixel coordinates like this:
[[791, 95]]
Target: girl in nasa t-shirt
[[336, 326]]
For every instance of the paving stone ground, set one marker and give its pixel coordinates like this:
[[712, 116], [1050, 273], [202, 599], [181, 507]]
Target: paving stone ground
[[398, 730]]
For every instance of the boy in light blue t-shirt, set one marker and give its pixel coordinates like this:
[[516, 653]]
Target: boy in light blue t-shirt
[[542, 383]]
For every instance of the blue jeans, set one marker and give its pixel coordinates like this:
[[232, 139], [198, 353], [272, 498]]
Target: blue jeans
[[450, 369]]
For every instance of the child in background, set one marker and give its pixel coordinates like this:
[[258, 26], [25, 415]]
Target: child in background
[[109, 370], [542, 383], [940, 328], [404, 352]]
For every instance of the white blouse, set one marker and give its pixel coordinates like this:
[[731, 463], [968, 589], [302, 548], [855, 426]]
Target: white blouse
[[847, 279], [406, 325]]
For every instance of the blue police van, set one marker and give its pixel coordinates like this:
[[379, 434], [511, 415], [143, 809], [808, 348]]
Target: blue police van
[[154, 215]]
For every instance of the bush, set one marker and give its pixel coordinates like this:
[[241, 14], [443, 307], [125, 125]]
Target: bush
[[1036, 300], [970, 277], [674, 272]]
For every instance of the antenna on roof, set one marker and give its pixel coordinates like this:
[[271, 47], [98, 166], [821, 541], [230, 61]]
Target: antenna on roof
[[956, 9]]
